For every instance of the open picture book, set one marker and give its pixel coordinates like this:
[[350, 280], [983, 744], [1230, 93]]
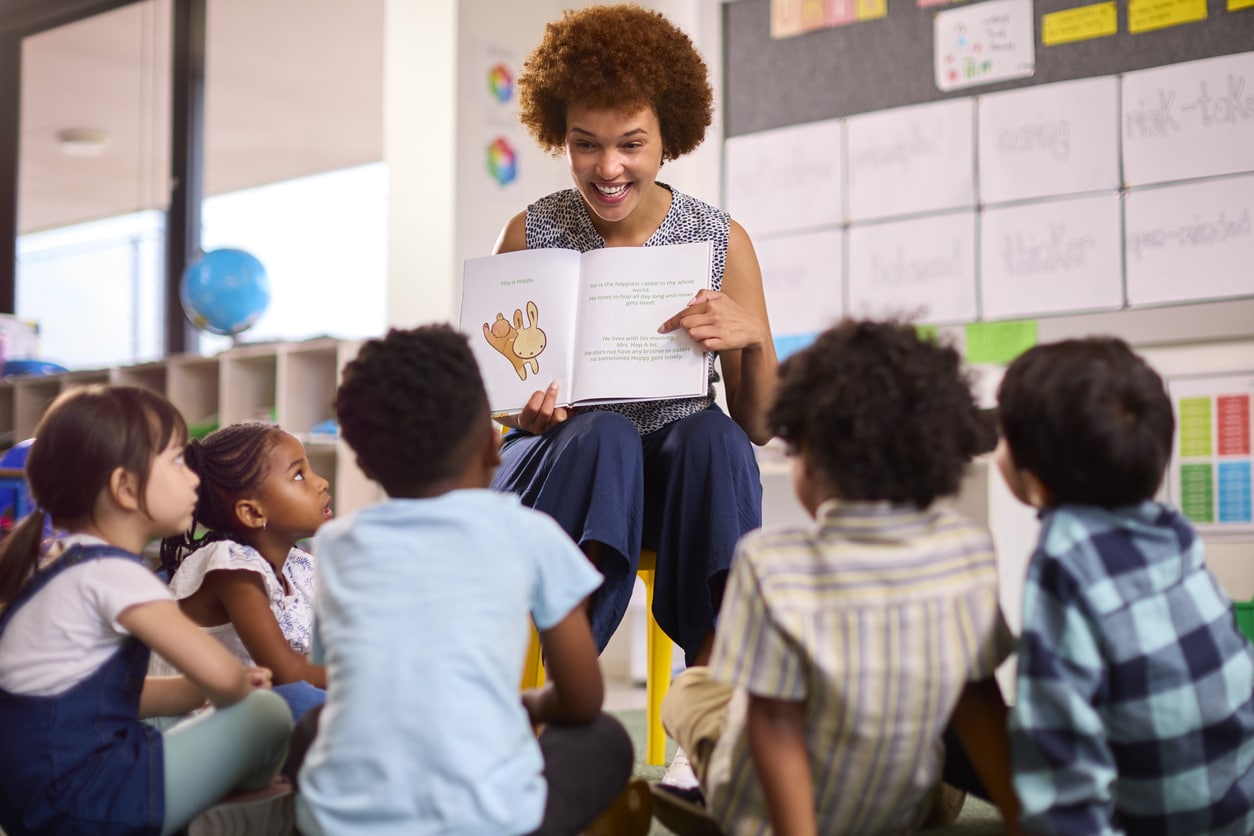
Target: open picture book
[[587, 320]]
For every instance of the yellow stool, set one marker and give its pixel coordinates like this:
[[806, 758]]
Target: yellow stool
[[658, 680]]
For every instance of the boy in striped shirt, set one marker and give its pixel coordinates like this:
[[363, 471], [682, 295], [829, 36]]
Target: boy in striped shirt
[[1134, 706], [844, 649]]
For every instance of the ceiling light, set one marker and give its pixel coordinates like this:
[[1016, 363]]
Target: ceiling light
[[82, 142]]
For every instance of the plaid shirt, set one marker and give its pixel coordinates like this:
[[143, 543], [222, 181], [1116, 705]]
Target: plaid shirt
[[1134, 710]]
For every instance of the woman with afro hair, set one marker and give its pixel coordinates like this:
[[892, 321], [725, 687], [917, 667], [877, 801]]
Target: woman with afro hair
[[620, 90]]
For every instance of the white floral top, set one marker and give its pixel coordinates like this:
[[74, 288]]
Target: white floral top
[[294, 611]]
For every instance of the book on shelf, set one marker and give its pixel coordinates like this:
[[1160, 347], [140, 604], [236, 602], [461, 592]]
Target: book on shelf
[[587, 320]]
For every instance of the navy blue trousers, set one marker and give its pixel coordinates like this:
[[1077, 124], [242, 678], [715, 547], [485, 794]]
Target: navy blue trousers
[[687, 491]]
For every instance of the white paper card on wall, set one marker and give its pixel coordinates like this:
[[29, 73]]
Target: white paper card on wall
[[803, 278], [1050, 257], [1190, 242], [984, 43], [785, 179], [1189, 120], [1051, 140], [911, 159], [923, 266]]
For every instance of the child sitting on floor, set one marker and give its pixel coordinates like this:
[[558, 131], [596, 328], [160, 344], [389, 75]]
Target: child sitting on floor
[[422, 609], [844, 649], [244, 581], [76, 625], [1134, 705]]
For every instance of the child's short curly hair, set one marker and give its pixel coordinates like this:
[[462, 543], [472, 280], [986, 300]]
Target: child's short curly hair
[[621, 58], [1090, 418], [409, 405], [880, 412]]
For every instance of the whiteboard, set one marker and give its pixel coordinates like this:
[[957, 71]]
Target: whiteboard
[[1188, 120], [1051, 257], [1052, 140], [1190, 242], [785, 179], [923, 267], [803, 278], [911, 160]]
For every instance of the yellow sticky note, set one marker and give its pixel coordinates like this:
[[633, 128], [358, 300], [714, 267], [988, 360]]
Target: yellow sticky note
[[1080, 24], [1148, 15], [870, 9], [999, 342], [1237, 5]]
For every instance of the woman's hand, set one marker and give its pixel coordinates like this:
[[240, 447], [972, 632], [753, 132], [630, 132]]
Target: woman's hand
[[541, 412], [717, 323]]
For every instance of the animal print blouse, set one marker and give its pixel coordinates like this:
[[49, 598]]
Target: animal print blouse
[[561, 220]]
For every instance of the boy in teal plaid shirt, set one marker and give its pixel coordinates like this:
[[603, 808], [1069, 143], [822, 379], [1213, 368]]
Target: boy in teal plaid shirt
[[1134, 709]]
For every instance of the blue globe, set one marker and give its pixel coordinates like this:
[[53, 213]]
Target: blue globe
[[225, 291]]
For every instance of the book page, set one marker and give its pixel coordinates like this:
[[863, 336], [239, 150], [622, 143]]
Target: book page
[[627, 293], [519, 311]]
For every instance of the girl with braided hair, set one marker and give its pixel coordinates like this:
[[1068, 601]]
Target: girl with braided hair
[[243, 579]]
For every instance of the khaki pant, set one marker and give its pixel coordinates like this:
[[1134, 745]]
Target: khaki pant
[[694, 714]]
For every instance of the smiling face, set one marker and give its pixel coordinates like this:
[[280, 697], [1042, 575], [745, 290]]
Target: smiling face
[[170, 495], [614, 160], [295, 500]]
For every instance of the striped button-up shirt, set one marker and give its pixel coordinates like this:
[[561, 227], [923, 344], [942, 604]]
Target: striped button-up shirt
[[875, 618], [1134, 707]]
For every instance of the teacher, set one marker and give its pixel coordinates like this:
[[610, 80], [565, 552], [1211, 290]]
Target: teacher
[[620, 90]]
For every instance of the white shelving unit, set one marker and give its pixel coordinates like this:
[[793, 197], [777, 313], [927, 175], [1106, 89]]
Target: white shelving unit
[[292, 384]]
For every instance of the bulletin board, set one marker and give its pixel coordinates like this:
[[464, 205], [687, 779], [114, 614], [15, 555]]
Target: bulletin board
[[1003, 161]]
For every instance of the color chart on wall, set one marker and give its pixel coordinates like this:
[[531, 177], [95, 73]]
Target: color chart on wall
[[1211, 461]]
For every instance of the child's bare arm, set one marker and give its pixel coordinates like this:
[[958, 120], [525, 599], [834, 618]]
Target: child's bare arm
[[776, 732], [162, 626], [165, 696], [243, 596], [980, 721], [575, 690]]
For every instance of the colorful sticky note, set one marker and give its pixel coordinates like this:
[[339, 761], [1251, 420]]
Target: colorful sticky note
[[1148, 15], [1080, 24], [928, 332], [999, 342], [871, 9], [1237, 5]]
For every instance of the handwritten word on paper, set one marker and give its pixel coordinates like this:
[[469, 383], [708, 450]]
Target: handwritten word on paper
[[785, 179], [922, 268], [1148, 15], [911, 159], [1054, 139], [1190, 242], [1055, 256], [1189, 120], [983, 43], [1083, 23]]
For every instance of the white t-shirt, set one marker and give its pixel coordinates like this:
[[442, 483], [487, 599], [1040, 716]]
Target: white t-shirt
[[69, 629]]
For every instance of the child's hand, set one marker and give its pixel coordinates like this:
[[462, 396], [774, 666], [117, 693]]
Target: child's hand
[[533, 700], [259, 677]]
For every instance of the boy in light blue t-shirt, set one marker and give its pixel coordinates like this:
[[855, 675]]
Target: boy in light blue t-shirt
[[420, 619]]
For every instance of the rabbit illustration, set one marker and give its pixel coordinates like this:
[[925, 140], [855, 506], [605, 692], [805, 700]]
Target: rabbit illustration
[[530, 341]]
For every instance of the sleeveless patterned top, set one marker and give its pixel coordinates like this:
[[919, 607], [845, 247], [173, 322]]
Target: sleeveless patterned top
[[561, 220]]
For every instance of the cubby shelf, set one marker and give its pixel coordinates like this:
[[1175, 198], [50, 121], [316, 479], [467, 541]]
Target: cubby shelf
[[291, 384]]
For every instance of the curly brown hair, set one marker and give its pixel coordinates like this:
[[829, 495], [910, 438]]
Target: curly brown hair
[[881, 412], [621, 58]]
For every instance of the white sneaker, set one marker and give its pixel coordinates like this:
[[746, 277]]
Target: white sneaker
[[680, 773]]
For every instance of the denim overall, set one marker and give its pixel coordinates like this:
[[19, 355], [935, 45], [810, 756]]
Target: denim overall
[[81, 762]]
